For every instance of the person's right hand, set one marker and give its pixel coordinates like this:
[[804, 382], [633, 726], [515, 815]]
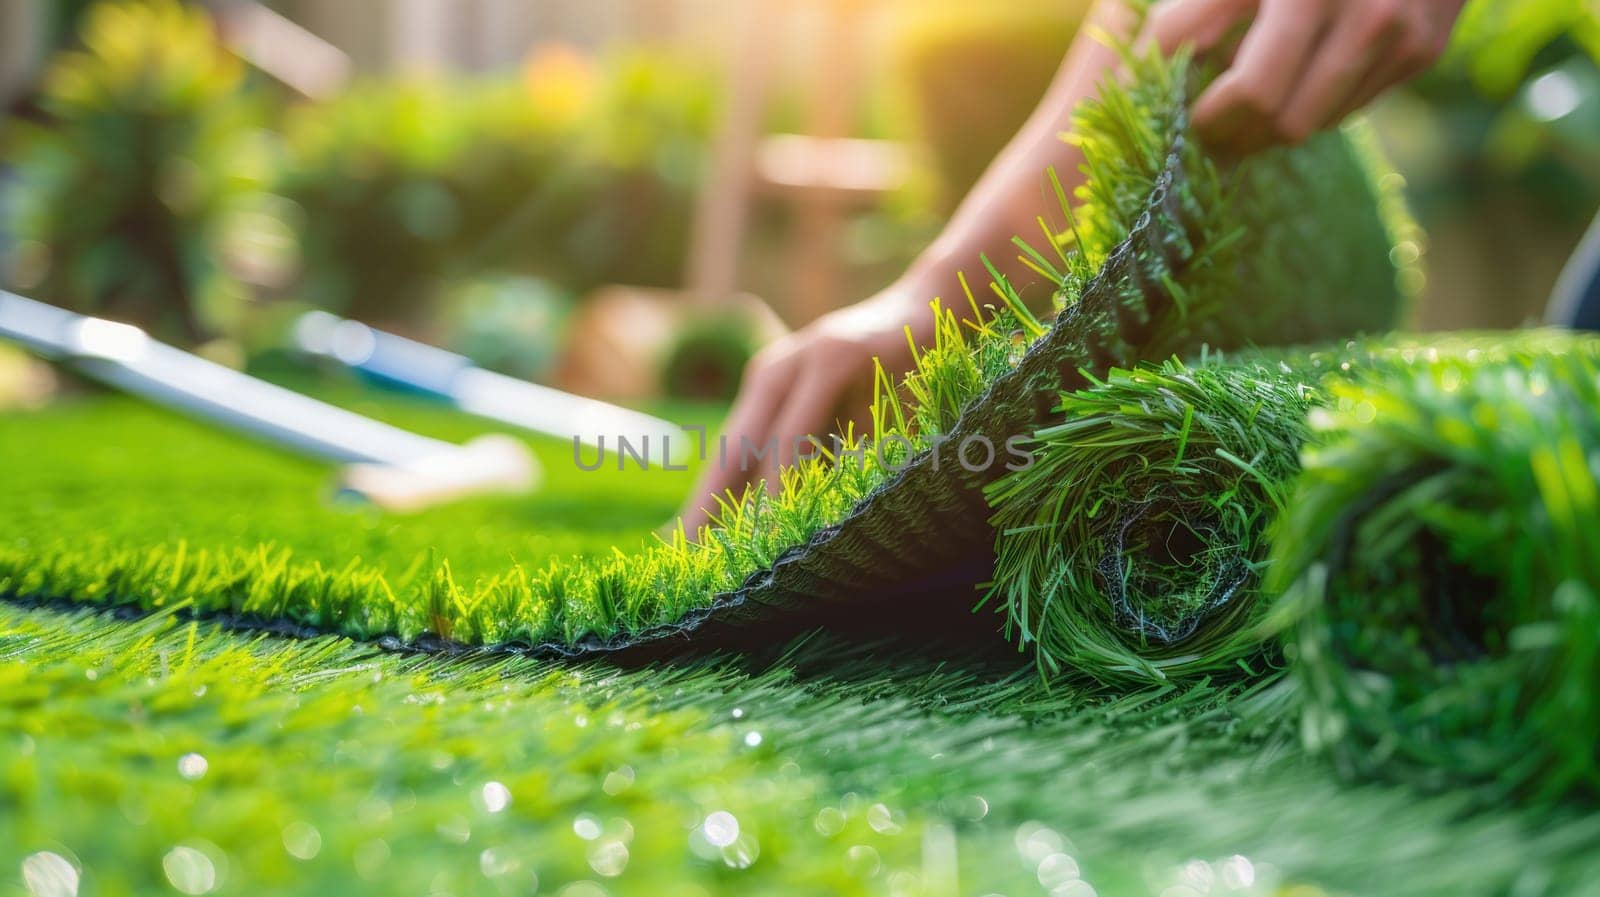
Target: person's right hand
[[1296, 67], [810, 383]]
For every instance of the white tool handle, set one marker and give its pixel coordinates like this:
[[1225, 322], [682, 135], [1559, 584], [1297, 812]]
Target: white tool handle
[[489, 465]]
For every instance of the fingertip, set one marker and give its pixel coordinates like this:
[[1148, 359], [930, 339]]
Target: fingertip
[[1214, 112], [1293, 130]]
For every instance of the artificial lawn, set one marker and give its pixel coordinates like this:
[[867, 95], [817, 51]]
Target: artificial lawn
[[850, 769], [1162, 251], [172, 482], [156, 752]]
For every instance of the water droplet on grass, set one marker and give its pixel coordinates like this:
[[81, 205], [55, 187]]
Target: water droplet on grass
[[46, 874], [721, 828], [371, 857], [1198, 874], [883, 820], [494, 796], [829, 821], [609, 858], [189, 870], [752, 739], [586, 827], [863, 860], [497, 861], [618, 780], [374, 811], [742, 853], [302, 840], [1035, 841], [1056, 870], [1238, 872], [192, 766], [456, 830]]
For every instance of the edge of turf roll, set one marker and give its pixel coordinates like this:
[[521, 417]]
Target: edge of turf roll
[[881, 547], [1441, 575], [909, 557]]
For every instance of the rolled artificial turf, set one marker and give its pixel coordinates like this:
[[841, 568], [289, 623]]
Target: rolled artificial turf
[[1163, 252], [1133, 550], [1129, 551], [1441, 566]]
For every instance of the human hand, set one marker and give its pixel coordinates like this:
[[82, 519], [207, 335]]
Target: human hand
[[1302, 66], [810, 383]]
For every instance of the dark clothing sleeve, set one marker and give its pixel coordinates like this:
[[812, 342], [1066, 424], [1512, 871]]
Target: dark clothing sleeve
[[1576, 301]]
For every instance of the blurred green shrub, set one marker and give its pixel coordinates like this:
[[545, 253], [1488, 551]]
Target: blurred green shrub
[[583, 174], [1497, 42], [1489, 128], [64, 19], [974, 71], [147, 185], [512, 324], [708, 357], [390, 179], [1500, 147], [641, 158]]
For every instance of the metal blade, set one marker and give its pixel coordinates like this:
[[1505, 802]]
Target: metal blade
[[550, 411], [419, 367], [125, 357]]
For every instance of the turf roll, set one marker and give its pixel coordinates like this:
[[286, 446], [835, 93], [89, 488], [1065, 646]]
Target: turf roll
[[1165, 252], [1440, 564], [1128, 551], [1133, 549]]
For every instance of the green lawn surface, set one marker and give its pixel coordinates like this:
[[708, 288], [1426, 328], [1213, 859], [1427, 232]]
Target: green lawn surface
[[107, 467], [155, 756]]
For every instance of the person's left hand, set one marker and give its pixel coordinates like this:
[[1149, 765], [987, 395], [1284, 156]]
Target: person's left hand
[[1302, 65]]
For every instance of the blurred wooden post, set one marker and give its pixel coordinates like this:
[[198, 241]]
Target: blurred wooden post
[[823, 174], [500, 34], [276, 45], [421, 36], [724, 206], [821, 211], [22, 37]]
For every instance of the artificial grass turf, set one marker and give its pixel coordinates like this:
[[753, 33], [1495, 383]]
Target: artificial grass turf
[[1163, 252], [1132, 549], [1436, 557], [1141, 784], [153, 754], [1133, 788], [124, 488], [1442, 559]]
